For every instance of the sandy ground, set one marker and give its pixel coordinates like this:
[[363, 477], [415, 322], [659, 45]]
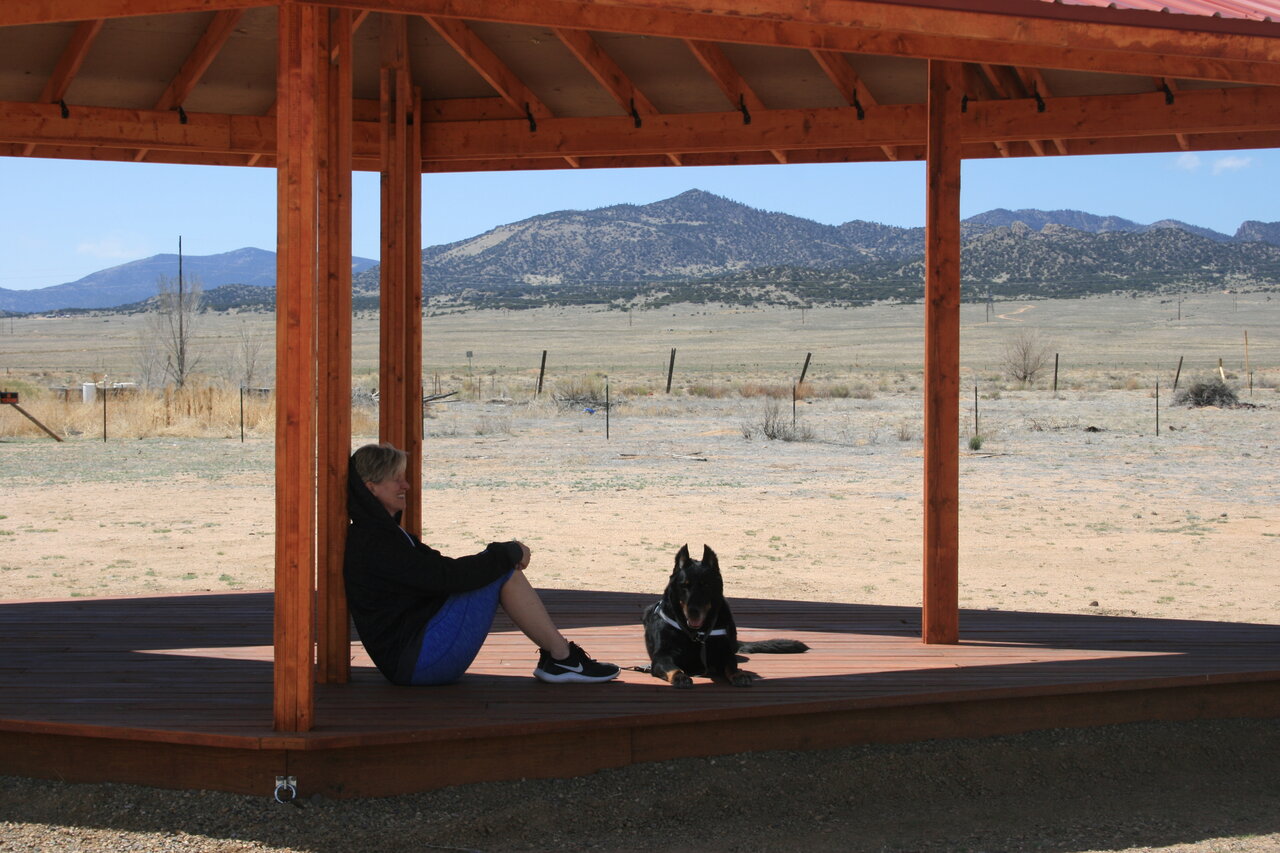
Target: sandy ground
[[1054, 517]]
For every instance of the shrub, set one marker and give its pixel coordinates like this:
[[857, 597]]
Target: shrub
[[1025, 356], [1215, 392]]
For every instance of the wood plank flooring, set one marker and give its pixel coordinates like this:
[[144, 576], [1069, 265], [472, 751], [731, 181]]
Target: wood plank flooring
[[105, 678]]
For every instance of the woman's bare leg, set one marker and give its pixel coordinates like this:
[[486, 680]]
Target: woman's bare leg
[[522, 604]]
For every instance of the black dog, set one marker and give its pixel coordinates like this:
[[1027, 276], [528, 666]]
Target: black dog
[[691, 631]]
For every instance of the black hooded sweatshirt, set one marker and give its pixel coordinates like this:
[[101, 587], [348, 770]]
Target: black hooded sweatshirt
[[395, 584]]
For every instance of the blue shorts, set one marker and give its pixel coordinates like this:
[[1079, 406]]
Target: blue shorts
[[454, 635]]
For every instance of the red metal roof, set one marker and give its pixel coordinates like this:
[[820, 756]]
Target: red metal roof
[[1254, 10]]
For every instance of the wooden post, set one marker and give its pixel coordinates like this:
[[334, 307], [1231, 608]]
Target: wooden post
[[671, 369], [1178, 375], [400, 369], [300, 56], [542, 371], [1055, 373], [940, 616], [805, 370], [333, 439]]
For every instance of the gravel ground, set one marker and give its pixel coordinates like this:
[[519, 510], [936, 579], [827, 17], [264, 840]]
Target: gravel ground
[[1185, 787]]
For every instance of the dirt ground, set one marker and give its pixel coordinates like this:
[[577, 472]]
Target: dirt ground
[[1072, 504]]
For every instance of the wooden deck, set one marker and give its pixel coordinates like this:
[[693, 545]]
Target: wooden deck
[[176, 691]]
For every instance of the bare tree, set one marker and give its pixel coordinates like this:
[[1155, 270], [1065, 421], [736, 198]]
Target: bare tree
[[1026, 355], [173, 326], [248, 360]]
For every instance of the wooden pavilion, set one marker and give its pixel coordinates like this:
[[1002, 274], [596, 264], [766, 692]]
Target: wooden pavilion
[[318, 88]]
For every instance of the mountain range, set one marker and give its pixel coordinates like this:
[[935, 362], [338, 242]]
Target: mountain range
[[701, 247]]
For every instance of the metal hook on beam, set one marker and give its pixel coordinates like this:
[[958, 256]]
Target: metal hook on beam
[[182, 114], [528, 113], [66, 113], [1168, 92], [635, 114], [857, 106], [742, 105], [1035, 93]]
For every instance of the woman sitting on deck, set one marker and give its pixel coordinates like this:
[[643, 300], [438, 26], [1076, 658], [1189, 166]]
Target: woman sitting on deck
[[422, 616]]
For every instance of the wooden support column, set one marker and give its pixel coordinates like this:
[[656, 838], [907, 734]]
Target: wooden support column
[[333, 439], [941, 610], [400, 369], [299, 155]]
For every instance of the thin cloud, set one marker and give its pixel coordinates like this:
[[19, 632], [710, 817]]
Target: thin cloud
[[1231, 164], [1187, 162], [108, 249]]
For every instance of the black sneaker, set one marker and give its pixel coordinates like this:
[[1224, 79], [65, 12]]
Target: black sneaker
[[578, 666]]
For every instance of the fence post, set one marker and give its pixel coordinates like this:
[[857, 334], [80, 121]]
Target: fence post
[[804, 370], [1178, 375], [976, 431], [541, 372], [1055, 373], [671, 369]]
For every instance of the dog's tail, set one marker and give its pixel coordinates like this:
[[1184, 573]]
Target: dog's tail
[[773, 647]]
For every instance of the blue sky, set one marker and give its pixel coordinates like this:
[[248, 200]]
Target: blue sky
[[61, 220]]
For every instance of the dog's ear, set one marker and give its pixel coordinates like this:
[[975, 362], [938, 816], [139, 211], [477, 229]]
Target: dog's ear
[[709, 557], [682, 557]]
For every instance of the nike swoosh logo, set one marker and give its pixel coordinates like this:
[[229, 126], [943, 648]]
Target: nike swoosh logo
[[575, 668]]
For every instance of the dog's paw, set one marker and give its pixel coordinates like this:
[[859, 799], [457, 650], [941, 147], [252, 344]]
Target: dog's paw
[[679, 679], [740, 679]]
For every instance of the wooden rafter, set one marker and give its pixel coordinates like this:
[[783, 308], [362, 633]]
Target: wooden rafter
[[611, 77], [69, 62], [849, 84], [197, 62], [489, 66], [200, 58], [1246, 52], [736, 90]]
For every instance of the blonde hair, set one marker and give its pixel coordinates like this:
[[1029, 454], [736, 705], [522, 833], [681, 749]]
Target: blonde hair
[[375, 463]]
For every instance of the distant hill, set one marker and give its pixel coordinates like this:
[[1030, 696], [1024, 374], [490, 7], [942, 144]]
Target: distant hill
[[136, 281], [698, 246]]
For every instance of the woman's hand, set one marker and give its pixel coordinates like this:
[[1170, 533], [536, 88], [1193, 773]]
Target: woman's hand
[[524, 556]]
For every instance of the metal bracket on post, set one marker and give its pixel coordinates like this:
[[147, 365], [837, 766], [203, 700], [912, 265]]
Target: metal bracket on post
[[288, 787]]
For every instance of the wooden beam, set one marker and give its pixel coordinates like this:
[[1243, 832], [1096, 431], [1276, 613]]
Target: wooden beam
[[400, 340], [489, 66], [73, 56], [15, 13], [197, 62], [1220, 49], [1234, 110], [333, 398], [849, 84], [941, 613], [69, 62], [736, 90], [606, 72], [201, 57], [1094, 124], [302, 50]]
